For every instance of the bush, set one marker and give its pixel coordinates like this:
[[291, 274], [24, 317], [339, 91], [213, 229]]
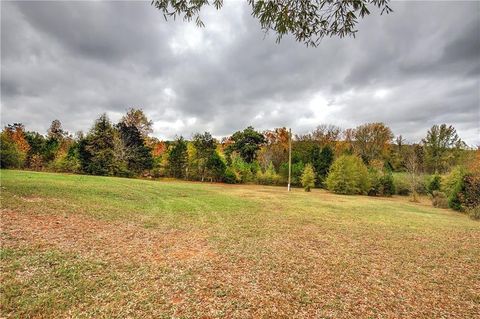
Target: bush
[[401, 184], [422, 185], [388, 186], [66, 164], [374, 181], [243, 171], [297, 170], [348, 175], [470, 193], [308, 177], [439, 199], [269, 177], [474, 212], [434, 184], [381, 183], [230, 177], [453, 186]]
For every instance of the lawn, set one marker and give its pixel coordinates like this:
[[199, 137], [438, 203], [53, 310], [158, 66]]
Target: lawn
[[101, 247]]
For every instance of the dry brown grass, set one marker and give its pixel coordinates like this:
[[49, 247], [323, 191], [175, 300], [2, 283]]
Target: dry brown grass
[[294, 255]]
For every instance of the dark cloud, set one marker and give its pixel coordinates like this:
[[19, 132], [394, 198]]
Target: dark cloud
[[74, 60]]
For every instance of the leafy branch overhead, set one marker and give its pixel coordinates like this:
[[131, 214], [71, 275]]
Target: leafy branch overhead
[[307, 20]]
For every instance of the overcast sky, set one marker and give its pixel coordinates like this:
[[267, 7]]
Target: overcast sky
[[72, 61]]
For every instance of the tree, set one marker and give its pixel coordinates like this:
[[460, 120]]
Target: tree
[[440, 145], [215, 167], [326, 134], [322, 160], [205, 146], [138, 119], [246, 143], [348, 175], [97, 150], [275, 150], [372, 141], [397, 156], [307, 20], [138, 156], [308, 177], [55, 131], [10, 154], [177, 158], [413, 169], [15, 146]]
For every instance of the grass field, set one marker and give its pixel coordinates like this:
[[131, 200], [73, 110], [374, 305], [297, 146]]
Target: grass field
[[99, 247]]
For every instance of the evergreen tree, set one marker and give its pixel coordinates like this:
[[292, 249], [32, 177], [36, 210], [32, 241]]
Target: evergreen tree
[[216, 167], [138, 156], [308, 177], [321, 161], [177, 158], [97, 150]]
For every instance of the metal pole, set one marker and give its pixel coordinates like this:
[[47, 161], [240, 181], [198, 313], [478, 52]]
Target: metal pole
[[289, 156]]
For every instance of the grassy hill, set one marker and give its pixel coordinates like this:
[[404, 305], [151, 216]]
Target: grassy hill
[[87, 246]]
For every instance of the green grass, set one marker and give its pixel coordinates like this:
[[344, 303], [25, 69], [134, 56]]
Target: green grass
[[87, 246]]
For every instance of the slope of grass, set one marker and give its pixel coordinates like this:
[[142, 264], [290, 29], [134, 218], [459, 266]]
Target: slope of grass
[[86, 246]]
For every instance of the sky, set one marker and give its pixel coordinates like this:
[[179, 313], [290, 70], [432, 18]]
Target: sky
[[73, 61]]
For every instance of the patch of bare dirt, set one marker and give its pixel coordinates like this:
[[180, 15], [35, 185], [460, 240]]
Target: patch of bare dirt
[[96, 238]]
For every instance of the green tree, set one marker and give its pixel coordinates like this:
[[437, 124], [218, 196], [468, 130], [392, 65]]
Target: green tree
[[348, 175], [177, 158], [246, 143], [96, 151], [434, 184], [35, 155], [308, 177], [322, 160], [442, 145], [307, 20], [269, 176], [205, 146], [215, 167], [10, 154], [137, 155]]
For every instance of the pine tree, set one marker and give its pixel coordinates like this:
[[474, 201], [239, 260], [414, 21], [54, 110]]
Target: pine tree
[[308, 177]]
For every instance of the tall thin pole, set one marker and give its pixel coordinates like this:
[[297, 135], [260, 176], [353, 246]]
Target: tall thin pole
[[289, 156]]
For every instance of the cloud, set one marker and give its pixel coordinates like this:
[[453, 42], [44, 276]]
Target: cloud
[[72, 61]]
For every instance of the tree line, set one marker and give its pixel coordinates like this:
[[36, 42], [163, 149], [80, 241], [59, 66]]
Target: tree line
[[367, 159]]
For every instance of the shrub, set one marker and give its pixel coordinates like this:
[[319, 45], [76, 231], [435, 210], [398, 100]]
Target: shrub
[[439, 199], [348, 175], [453, 186], [297, 170], [374, 181], [230, 177], [470, 193], [402, 187], [388, 186], [381, 183], [269, 177], [308, 177], [243, 171], [422, 185], [434, 184], [474, 212], [36, 162]]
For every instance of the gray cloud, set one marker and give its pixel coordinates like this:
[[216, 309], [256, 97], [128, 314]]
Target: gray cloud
[[72, 61]]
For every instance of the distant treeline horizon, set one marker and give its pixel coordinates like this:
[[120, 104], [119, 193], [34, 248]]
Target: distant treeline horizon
[[127, 149]]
